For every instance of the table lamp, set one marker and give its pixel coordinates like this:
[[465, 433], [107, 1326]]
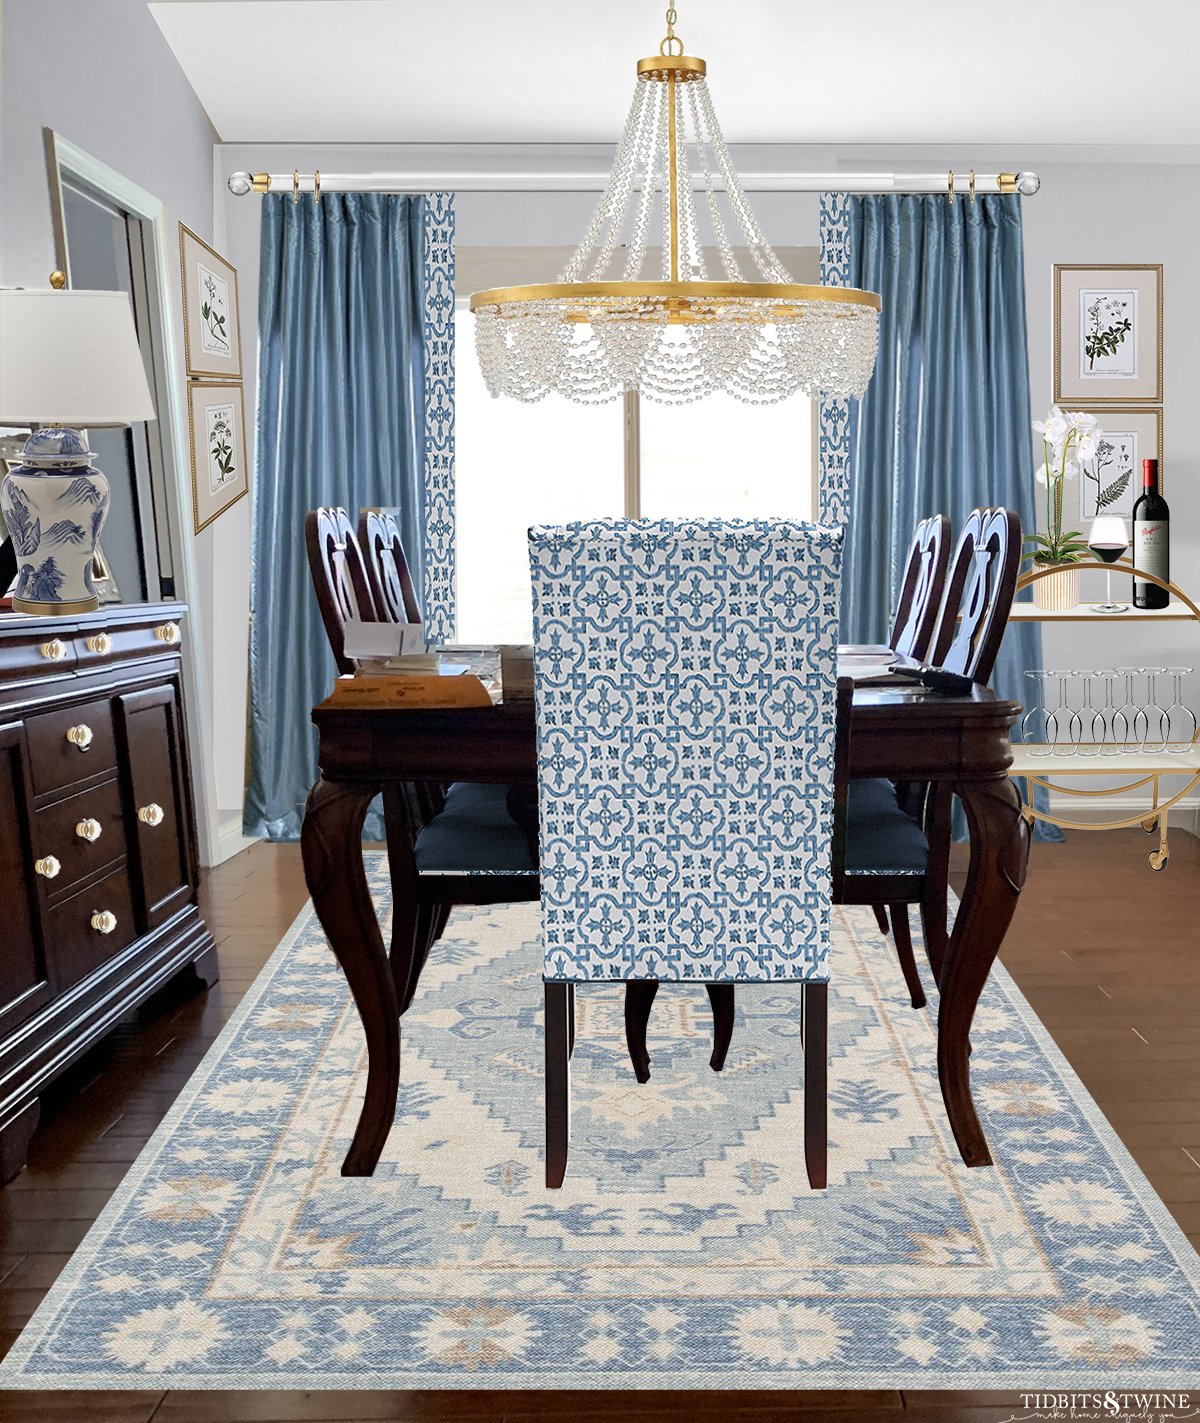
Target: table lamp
[[67, 359]]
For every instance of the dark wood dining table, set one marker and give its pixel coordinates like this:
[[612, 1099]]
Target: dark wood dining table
[[903, 733]]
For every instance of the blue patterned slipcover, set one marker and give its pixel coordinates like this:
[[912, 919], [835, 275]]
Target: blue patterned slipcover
[[685, 678]]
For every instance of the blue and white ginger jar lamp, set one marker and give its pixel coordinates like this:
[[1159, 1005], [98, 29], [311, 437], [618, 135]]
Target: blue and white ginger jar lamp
[[54, 506], [67, 359]]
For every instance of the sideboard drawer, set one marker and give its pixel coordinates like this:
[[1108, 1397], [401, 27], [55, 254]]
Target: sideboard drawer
[[100, 646], [96, 812], [73, 744], [36, 654], [81, 945]]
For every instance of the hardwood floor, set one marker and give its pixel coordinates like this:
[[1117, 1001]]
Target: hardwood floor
[[1104, 949]]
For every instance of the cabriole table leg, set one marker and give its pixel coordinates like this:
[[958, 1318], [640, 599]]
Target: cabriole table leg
[[331, 843], [999, 856]]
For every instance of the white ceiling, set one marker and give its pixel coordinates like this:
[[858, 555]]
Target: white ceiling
[[1019, 72]]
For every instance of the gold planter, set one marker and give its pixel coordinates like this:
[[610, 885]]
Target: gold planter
[[1058, 592]]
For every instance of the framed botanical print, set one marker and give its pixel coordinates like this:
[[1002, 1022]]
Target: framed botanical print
[[1111, 482], [1108, 334], [217, 425], [212, 336]]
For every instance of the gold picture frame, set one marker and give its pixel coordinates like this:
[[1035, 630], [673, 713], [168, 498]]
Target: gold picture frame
[[1139, 428], [212, 329], [217, 442], [1108, 333]]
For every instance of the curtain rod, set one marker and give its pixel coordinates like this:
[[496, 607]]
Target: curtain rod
[[946, 183]]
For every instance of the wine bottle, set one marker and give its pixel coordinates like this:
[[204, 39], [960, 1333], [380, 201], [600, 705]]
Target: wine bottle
[[1151, 536]]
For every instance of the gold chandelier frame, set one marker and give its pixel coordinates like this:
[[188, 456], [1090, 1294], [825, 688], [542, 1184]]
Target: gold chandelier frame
[[678, 302]]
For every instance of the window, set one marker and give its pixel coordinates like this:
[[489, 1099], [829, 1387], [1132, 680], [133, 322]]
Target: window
[[552, 461]]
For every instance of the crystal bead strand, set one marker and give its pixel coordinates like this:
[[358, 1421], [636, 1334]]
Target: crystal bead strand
[[760, 249], [611, 206], [733, 272], [621, 180], [648, 149], [694, 269]]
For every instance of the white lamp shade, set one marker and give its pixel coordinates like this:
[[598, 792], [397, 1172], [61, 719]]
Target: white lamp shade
[[70, 358]]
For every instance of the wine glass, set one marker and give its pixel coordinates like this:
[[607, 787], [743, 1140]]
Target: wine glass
[[1108, 539], [1182, 744]]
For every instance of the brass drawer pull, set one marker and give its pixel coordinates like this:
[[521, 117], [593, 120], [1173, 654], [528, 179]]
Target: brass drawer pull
[[80, 736], [89, 830], [150, 814], [54, 650], [47, 866], [101, 643], [104, 921], [168, 633]]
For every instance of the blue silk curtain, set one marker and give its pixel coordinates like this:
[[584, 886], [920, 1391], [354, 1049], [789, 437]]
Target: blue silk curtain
[[944, 426], [340, 421]]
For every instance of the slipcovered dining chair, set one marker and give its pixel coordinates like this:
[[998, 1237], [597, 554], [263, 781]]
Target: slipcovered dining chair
[[685, 689]]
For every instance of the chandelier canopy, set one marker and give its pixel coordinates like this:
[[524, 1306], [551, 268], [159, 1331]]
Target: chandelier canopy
[[676, 335]]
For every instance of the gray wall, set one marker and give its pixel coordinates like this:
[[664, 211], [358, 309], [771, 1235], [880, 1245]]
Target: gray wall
[[100, 73]]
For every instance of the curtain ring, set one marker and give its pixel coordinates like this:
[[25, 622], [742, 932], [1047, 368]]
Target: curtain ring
[[972, 187], [295, 186], [950, 186], [317, 186]]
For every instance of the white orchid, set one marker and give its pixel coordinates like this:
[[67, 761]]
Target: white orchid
[[1053, 429], [1068, 439]]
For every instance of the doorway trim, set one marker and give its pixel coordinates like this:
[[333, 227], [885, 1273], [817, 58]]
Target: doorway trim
[[62, 156]]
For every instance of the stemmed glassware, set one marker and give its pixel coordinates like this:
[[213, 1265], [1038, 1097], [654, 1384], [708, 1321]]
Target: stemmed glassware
[[1029, 722], [1180, 745], [1108, 539]]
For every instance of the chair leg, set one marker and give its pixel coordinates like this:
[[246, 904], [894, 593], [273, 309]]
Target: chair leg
[[571, 1020], [639, 997], [558, 1083], [881, 918], [720, 997], [815, 999], [904, 952]]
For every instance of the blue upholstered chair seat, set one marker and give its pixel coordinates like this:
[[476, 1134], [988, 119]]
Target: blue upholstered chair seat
[[880, 837], [473, 834]]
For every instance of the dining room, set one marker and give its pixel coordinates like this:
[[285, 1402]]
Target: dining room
[[599, 744]]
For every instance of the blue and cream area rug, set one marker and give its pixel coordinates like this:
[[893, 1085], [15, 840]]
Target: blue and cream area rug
[[685, 1250]]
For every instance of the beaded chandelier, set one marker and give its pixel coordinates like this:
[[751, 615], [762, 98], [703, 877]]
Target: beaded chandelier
[[675, 338]]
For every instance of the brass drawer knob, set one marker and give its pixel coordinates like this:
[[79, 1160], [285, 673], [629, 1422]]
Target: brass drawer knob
[[100, 642], [54, 650], [89, 830], [104, 921], [47, 866], [80, 736], [150, 814], [168, 633]]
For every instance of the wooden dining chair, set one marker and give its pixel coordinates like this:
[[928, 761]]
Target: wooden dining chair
[[339, 575], [921, 588], [899, 844], [913, 627], [685, 689], [387, 568]]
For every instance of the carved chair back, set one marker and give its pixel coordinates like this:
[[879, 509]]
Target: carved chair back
[[387, 568], [339, 576], [979, 594], [922, 588]]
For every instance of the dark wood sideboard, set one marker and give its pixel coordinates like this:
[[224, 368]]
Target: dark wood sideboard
[[98, 867]]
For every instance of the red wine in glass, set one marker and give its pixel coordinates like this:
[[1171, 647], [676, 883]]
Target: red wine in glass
[[1108, 540]]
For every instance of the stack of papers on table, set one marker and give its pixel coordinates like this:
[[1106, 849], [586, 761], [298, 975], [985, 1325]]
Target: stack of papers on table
[[867, 664]]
